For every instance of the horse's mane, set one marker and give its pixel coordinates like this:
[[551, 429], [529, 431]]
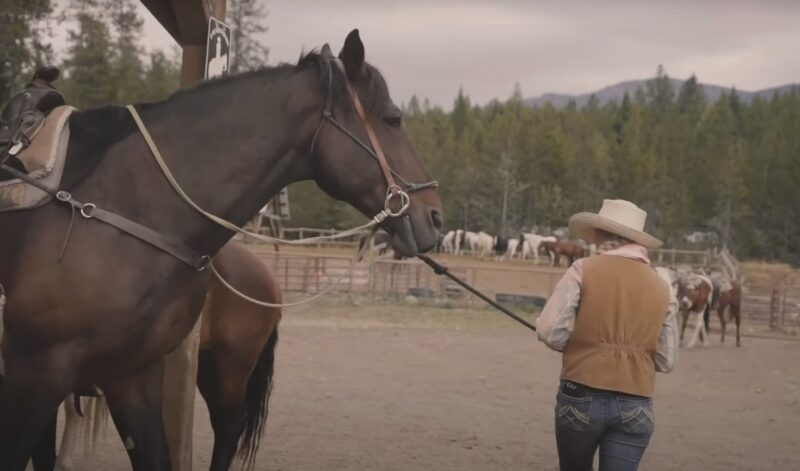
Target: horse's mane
[[378, 99], [103, 126], [376, 103]]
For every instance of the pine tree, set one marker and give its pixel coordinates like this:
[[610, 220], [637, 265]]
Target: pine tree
[[22, 49], [691, 99], [247, 17], [660, 94], [162, 77], [89, 62], [128, 69]]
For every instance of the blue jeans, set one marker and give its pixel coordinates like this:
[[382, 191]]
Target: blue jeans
[[619, 424]]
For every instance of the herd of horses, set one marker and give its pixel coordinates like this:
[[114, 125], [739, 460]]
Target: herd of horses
[[700, 293], [526, 245]]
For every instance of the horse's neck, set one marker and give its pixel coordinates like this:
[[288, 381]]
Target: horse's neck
[[231, 146]]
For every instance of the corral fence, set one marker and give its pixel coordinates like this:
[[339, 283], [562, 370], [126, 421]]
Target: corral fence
[[296, 233], [526, 285], [777, 305], [399, 280], [676, 257]]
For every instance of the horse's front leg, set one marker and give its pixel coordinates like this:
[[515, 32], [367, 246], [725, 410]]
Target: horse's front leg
[[69, 438], [699, 330], [33, 388], [44, 455], [684, 321], [721, 314], [135, 402]]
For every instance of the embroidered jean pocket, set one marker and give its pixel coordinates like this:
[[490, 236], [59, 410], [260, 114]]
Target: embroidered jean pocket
[[573, 413], [637, 416]]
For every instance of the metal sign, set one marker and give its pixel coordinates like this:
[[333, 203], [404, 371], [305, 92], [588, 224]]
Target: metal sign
[[218, 48], [282, 204], [278, 207]]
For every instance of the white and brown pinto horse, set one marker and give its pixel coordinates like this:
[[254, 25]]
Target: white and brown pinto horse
[[531, 243], [694, 297]]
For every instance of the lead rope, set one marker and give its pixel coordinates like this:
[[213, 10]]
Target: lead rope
[[266, 304], [442, 270], [325, 291]]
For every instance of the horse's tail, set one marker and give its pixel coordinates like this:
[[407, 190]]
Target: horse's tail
[[259, 389], [95, 423]]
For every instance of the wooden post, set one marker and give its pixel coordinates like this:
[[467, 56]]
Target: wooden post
[[286, 273], [318, 272], [351, 267], [774, 309], [783, 307], [180, 370]]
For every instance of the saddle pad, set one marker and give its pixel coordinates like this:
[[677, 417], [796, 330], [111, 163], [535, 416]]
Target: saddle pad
[[44, 160]]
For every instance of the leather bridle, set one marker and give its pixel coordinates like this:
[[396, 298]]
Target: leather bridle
[[374, 149]]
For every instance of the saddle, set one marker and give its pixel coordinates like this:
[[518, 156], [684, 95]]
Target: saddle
[[33, 139], [24, 115]]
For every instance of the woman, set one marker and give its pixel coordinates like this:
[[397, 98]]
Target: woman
[[614, 320]]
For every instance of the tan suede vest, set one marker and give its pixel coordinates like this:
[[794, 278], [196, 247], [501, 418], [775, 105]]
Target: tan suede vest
[[622, 308]]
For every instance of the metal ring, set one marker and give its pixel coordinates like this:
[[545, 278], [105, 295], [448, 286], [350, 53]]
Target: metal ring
[[87, 210], [203, 263], [405, 201], [63, 196]]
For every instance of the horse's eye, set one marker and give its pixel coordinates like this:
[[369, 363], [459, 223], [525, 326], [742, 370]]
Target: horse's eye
[[394, 120]]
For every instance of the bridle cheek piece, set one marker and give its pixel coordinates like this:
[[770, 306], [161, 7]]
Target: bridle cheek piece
[[398, 198]]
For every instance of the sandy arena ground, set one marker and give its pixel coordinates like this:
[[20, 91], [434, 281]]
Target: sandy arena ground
[[411, 388]]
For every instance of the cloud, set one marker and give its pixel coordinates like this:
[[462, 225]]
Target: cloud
[[431, 48]]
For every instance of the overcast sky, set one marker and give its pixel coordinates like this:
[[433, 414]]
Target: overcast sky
[[431, 47]]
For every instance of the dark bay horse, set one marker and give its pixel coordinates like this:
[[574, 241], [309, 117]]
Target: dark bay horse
[[236, 362], [107, 311]]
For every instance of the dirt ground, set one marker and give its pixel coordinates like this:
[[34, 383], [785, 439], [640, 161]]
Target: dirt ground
[[411, 388]]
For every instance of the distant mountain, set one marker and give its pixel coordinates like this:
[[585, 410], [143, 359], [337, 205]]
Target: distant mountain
[[616, 92]]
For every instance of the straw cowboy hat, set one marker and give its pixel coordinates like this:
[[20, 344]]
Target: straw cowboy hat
[[619, 217]]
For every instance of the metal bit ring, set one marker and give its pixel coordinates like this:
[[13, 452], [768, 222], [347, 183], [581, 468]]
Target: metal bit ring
[[405, 201]]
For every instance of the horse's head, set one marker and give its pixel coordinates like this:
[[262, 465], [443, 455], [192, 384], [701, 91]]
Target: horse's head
[[346, 151]]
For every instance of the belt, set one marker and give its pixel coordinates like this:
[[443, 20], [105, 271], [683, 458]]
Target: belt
[[578, 390]]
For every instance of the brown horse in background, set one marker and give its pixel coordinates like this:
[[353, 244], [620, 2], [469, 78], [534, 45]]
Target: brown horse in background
[[237, 354], [730, 299], [236, 362], [569, 249], [107, 310]]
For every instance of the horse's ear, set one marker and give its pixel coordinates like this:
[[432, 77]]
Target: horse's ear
[[352, 56], [326, 52]]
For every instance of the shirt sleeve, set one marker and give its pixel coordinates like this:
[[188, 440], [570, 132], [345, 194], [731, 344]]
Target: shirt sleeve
[[554, 325], [667, 352]]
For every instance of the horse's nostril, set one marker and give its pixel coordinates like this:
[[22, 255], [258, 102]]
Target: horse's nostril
[[436, 219]]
